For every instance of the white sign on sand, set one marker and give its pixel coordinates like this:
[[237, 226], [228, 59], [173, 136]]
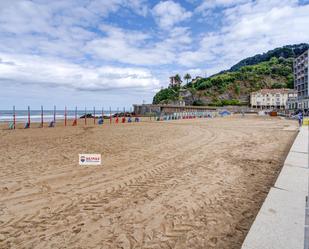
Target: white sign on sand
[[89, 159]]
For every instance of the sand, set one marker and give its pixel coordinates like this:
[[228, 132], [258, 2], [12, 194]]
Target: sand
[[177, 184]]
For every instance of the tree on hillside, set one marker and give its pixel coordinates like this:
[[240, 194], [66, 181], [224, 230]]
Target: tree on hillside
[[165, 95], [187, 77]]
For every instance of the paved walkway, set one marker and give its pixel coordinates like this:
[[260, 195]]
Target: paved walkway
[[280, 223]]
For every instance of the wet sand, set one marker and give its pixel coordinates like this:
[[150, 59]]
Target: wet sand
[[178, 184]]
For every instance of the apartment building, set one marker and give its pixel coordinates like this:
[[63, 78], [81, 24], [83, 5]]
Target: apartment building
[[272, 98], [301, 71]]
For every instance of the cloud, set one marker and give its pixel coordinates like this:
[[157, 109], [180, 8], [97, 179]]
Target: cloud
[[34, 70], [22, 16], [56, 28], [248, 29], [207, 6], [73, 30], [264, 25], [169, 13], [210, 4], [81, 45], [138, 48]]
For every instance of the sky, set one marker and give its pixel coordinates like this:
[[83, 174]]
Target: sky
[[121, 52]]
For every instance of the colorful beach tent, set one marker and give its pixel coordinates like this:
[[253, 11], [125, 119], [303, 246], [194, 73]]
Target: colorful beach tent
[[27, 125], [51, 124], [11, 126], [224, 113], [101, 121]]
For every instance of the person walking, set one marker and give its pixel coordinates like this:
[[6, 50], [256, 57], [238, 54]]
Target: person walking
[[300, 118]]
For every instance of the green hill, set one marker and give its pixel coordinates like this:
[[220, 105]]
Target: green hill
[[289, 51], [273, 69]]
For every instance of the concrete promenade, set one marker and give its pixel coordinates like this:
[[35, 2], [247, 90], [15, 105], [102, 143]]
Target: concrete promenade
[[282, 222]]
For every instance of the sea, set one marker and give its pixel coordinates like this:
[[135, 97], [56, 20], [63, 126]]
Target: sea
[[48, 115]]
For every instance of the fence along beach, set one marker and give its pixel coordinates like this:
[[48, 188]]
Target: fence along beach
[[15, 118]]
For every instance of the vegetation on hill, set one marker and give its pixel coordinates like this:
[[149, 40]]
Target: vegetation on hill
[[252, 76], [289, 51], [166, 94], [234, 86]]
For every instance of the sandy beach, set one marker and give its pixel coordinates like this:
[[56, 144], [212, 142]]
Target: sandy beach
[[178, 184]]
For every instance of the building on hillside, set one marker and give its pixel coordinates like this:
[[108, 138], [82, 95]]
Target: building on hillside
[[272, 98], [169, 109], [196, 79], [175, 81], [147, 109], [301, 71]]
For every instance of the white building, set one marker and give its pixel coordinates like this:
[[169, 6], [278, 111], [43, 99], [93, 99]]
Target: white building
[[196, 79], [272, 98]]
